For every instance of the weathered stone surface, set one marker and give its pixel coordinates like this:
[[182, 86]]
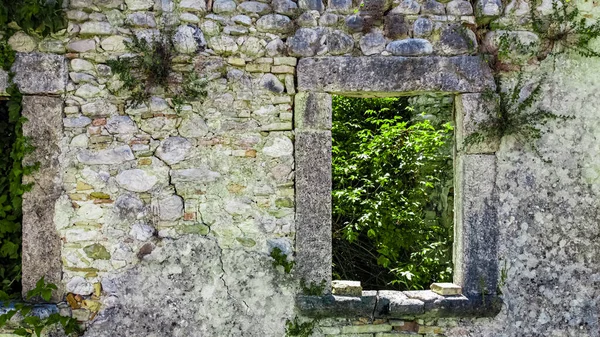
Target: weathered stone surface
[[193, 5], [337, 42], [242, 20], [433, 7], [223, 44], [372, 43], [355, 23], [96, 252], [455, 40], [79, 286], [99, 108], [278, 147], [274, 23], [193, 126], [3, 81], [37, 73], [476, 232], [121, 125], [305, 42], [473, 110], [188, 39], [141, 19], [96, 28], [201, 174], [117, 155], [308, 19], [136, 5], [76, 122], [170, 208], [407, 7], [346, 288], [136, 180], [312, 111], [44, 129], [459, 7], [272, 83], [422, 27], [397, 305], [340, 6], [129, 206], [224, 6], [313, 206], [141, 231], [173, 150], [487, 10], [316, 5], [285, 7], [328, 20], [396, 27], [254, 7], [410, 47], [337, 306], [22, 43], [394, 74], [81, 46]]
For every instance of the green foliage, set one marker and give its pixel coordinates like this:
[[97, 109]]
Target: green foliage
[[150, 67], [392, 192], [296, 329], [518, 115], [280, 259], [32, 325], [41, 17], [565, 29], [7, 56], [13, 146], [312, 289]]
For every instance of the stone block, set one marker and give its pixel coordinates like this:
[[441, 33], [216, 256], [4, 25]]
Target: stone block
[[397, 305], [312, 111], [367, 328], [446, 289], [346, 288], [41, 241], [37, 73], [412, 75], [337, 306], [476, 224], [410, 47], [3, 82], [473, 111], [487, 10], [313, 206], [316, 5]]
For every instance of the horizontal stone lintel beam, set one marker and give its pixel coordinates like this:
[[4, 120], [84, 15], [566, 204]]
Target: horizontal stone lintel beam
[[399, 305], [394, 76]]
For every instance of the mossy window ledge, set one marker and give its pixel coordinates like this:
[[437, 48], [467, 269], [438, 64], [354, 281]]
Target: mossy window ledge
[[399, 305], [41, 310]]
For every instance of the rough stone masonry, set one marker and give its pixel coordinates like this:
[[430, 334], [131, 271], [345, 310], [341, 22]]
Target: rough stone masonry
[[163, 217]]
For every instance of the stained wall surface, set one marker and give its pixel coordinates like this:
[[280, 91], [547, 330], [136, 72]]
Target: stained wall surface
[[167, 213]]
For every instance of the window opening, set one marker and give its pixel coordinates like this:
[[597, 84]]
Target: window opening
[[11, 192], [393, 188]]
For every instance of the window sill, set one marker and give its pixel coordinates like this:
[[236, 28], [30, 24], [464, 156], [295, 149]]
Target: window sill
[[399, 304]]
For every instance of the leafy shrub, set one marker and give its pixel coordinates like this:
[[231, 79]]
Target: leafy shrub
[[33, 16], [392, 193]]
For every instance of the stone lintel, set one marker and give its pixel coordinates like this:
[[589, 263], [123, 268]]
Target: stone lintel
[[312, 111], [476, 230], [41, 241], [38, 73], [472, 111], [313, 207], [394, 76]]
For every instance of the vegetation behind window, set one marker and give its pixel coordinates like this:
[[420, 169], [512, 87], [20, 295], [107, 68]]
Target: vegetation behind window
[[393, 191]]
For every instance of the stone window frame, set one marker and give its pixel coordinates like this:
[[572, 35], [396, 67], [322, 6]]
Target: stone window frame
[[42, 79], [476, 233]]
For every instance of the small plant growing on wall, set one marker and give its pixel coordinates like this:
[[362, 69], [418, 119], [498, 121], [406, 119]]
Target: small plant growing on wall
[[32, 325], [150, 67], [565, 29], [33, 16], [296, 329], [518, 115], [280, 259]]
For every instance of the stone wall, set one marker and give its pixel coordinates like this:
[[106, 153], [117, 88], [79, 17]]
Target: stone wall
[[167, 214]]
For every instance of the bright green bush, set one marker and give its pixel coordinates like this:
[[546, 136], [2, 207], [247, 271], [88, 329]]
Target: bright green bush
[[392, 191]]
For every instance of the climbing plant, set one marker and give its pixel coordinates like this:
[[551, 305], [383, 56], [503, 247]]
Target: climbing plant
[[150, 67], [41, 17]]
